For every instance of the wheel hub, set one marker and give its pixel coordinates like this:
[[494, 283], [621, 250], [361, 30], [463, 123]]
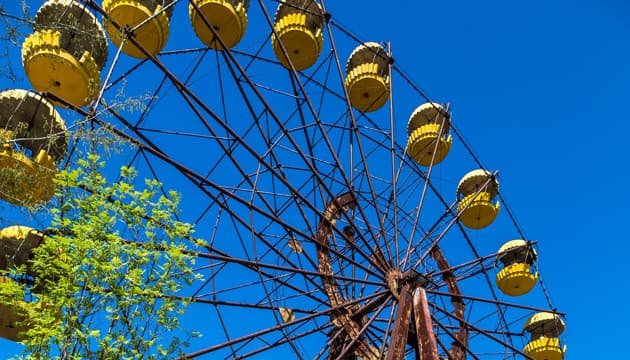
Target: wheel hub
[[396, 280]]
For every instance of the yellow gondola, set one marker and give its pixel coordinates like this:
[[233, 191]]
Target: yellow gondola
[[227, 17], [16, 249], [16, 246], [11, 319], [66, 52], [33, 141], [545, 329], [476, 192], [516, 278], [423, 130], [153, 17], [367, 78], [299, 28]]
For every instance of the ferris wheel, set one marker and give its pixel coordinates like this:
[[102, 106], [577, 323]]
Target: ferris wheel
[[337, 227]]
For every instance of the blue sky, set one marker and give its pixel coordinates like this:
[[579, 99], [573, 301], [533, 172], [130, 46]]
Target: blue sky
[[539, 90], [543, 87]]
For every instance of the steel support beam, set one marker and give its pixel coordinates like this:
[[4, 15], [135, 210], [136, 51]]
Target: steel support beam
[[427, 346], [398, 341]]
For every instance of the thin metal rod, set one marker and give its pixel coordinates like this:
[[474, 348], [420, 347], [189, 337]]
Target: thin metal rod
[[481, 331], [284, 341], [279, 326], [348, 346], [198, 300], [478, 260], [453, 221], [502, 303], [459, 356], [392, 150], [425, 186]]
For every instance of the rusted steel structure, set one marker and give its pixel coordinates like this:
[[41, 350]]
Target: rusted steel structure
[[326, 228]]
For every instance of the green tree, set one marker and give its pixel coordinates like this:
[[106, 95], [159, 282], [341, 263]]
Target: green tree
[[105, 280]]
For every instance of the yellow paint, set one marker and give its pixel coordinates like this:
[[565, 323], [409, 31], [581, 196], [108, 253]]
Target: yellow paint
[[516, 279], [25, 181], [480, 212], [303, 47], [51, 68], [152, 35], [16, 247], [421, 144], [9, 320], [12, 323], [545, 349], [513, 244], [18, 232], [367, 90], [230, 23]]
